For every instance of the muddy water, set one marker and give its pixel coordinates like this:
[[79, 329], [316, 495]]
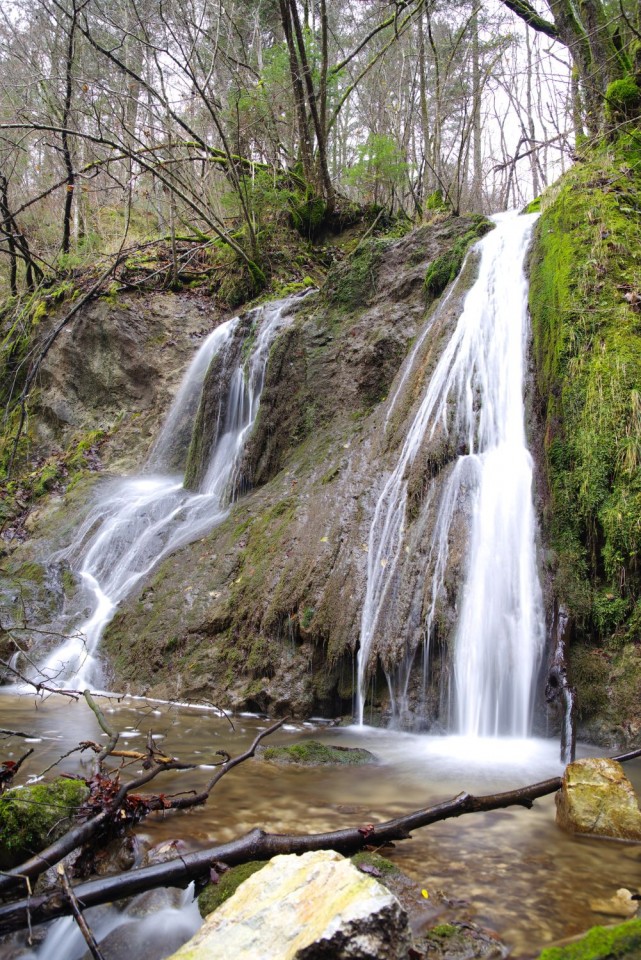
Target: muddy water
[[512, 871]]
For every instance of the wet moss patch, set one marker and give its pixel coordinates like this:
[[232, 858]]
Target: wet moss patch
[[446, 268], [215, 894], [585, 292], [33, 817], [622, 942], [316, 754]]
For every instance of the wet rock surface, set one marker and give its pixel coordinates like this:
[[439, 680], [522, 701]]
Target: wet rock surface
[[116, 368], [597, 798], [308, 907], [263, 613], [313, 753]]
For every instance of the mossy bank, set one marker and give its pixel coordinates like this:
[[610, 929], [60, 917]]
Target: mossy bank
[[585, 300]]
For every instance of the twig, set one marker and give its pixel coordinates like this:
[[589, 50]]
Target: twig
[[111, 733], [80, 920]]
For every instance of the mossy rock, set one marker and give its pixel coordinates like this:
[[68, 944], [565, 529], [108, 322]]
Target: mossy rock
[[375, 864], [350, 284], [215, 894], [460, 941], [534, 206], [315, 754], [33, 817], [601, 943], [623, 100], [447, 267]]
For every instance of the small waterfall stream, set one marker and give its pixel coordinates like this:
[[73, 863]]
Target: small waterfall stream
[[142, 519], [476, 393]]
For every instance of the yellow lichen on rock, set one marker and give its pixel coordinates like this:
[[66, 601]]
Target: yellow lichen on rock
[[295, 902], [597, 798]]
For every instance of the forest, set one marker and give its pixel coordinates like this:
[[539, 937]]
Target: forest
[[320, 379]]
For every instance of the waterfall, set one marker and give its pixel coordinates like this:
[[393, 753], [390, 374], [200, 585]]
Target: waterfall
[[475, 393], [138, 521]]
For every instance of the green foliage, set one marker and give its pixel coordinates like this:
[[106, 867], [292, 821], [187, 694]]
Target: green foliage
[[623, 100], [215, 894], [307, 617], [33, 817], [308, 214], [314, 753], [446, 268], [621, 942], [435, 201], [380, 168]]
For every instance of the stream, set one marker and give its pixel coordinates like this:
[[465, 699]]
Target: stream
[[512, 871]]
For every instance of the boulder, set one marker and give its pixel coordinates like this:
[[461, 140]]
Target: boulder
[[311, 907], [597, 798]]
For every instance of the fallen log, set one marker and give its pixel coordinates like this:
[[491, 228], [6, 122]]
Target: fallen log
[[258, 845]]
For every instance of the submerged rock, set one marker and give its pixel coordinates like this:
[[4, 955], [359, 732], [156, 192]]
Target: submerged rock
[[307, 907], [597, 798], [313, 753]]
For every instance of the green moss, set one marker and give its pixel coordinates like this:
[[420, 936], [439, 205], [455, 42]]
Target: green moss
[[443, 930], [587, 349], [314, 753], [446, 268], [622, 942], [623, 100], [33, 817], [350, 284], [308, 215], [534, 206], [215, 894], [367, 859], [589, 674]]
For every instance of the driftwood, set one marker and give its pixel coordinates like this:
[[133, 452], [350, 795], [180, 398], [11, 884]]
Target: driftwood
[[557, 687], [258, 845]]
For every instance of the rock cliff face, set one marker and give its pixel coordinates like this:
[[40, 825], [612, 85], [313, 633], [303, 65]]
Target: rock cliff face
[[264, 612]]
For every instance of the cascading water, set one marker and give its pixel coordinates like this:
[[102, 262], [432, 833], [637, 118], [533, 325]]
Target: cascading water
[[476, 392], [140, 520]]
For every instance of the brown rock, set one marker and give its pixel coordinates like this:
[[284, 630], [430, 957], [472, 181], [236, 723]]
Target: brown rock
[[597, 798]]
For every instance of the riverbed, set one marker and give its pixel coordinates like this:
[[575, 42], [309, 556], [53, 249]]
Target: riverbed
[[512, 871]]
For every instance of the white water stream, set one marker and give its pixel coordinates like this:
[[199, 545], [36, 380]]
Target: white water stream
[[476, 391], [137, 521]]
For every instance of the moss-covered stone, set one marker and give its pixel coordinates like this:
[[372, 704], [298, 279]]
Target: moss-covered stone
[[621, 942], [384, 867], [33, 817], [446, 268], [216, 893], [316, 754], [623, 100]]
